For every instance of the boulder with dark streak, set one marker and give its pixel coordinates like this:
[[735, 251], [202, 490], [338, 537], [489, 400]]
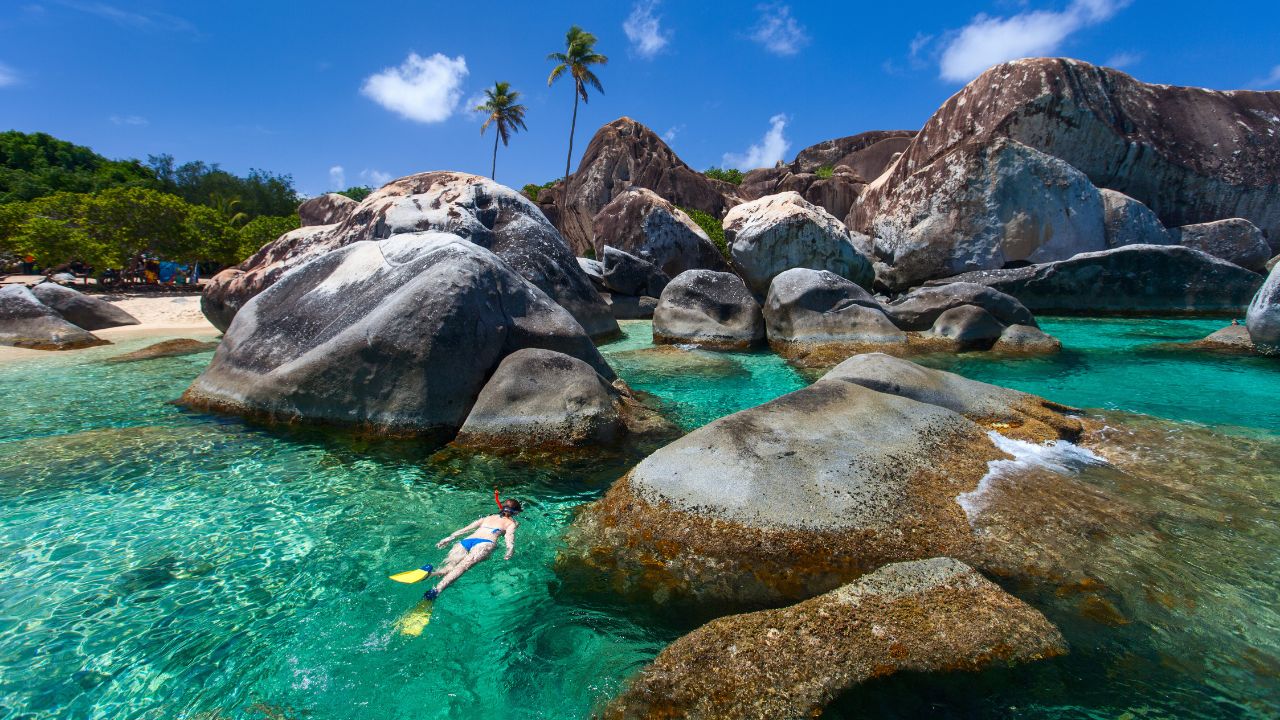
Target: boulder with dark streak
[[1128, 222], [920, 308], [490, 215], [26, 322], [1191, 155], [627, 274], [816, 311], [326, 209], [1129, 280], [396, 336], [625, 154], [709, 309], [82, 310], [1263, 318], [640, 222]]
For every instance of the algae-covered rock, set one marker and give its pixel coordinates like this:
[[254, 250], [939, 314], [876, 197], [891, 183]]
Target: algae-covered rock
[[165, 348], [935, 615]]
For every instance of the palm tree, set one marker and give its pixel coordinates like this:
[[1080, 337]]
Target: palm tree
[[580, 54], [505, 113], [228, 208]]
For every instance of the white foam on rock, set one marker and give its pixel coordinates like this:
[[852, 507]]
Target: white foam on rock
[[1058, 456]]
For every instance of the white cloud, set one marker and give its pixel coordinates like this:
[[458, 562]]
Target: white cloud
[[771, 148], [129, 120], [778, 32], [987, 40], [672, 132], [1270, 82], [8, 76], [376, 178], [644, 29], [1123, 59], [337, 178], [423, 89], [127, 18]]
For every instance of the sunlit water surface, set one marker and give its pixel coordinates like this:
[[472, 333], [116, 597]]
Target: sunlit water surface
[[163, 564]]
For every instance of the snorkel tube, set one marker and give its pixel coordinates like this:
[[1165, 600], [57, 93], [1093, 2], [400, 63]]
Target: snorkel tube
[[497, 501]]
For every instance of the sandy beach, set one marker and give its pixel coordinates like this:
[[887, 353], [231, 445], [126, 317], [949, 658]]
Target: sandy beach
[[163, 316]]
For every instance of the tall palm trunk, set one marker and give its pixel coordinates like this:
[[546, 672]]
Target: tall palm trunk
[[572, 125], [493, 173]]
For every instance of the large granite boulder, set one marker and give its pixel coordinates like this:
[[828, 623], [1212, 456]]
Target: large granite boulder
[[967, 327], [935, 615], [326, 209], [82, 310], [1128, 222], [477, 209], [802, 494], [779, 232], [1135, 279], [920, 308], [627, 274], [626, 154], [545, 400], [1235, 240], [816, 311], [867, 154], [640, 222], [1191, 155], [396, 336], [712, 310], [26, 322], [1263, 318], [836, 193], [984, 206]]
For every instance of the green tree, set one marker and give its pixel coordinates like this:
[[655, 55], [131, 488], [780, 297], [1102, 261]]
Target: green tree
[[138, 220], [34, 165], [357, 192], [262, 230], [209, 237], [580, 54], [506, 115]]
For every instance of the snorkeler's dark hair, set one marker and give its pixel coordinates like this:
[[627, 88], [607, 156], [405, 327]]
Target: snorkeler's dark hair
[[511, 505]]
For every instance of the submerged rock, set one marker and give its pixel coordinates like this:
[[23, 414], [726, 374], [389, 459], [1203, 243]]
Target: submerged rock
[[1135, 279], [477, 209], [780, 232], [709, 309], [1232, 338], [82, 310], [935, 615], [816, 311], [165, 348], [640, 222], [326, 209], [967, 327], [1235, 240], [544, 400], [1263, 319], [397, 337], [1026, 340], [26, 322]]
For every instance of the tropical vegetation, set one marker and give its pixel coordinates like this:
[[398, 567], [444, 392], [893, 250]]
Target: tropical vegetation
[[576, 60], [504, 113], [729, 175], [711, 226]]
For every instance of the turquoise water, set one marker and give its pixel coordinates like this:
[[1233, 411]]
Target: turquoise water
[[164, 564]]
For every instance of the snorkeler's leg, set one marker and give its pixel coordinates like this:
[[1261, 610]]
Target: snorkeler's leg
[[456, 553], [478, 553]]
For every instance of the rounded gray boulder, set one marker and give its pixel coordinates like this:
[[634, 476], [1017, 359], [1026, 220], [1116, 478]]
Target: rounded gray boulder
[[1235, 240], [969, 327], [26, 322], [920, 308], [82, 310], [709, 309], [816, 310]]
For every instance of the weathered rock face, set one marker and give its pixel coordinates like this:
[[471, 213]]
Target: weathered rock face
[[490, 215], [640, 222], [1135, 279], [1190, 155], [867, 154], [802, 494], [326, 209], [1235, 240], [981, 207], [544, 399], [81, 310], [1263, 319], [920, 308], [967, 326], [396, 336], [922, 616], [811, 309], [709, 309], [836, 194], [784, 231], [26, 322], [627, 274], [1128, 222], [626, 154]]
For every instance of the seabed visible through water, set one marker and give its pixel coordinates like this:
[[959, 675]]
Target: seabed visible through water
[[165, 564]]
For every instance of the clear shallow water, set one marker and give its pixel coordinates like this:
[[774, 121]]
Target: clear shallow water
[[163, 564]]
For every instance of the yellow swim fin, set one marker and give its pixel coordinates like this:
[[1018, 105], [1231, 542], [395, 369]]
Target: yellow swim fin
[[415, 621], [413, 576]]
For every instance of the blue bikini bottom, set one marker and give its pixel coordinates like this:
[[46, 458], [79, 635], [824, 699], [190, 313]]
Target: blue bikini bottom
[[472, 542]]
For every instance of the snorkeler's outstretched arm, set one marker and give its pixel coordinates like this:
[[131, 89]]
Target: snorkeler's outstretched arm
[[510, 539], [460, 532]]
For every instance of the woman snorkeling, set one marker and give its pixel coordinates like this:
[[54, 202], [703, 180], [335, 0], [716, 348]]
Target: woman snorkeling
[[484, 536]]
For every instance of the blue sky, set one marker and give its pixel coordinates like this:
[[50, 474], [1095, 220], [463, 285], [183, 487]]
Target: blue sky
[[351, 93]]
